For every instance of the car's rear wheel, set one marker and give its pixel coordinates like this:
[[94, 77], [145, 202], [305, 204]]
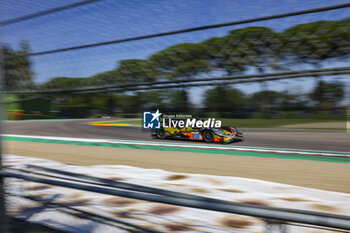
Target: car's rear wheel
[[208, 136], [160, 133]]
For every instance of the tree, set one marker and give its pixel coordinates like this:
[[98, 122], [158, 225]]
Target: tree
[[223, 99], [17, 70], [225, 55], [127, 71], [104, 78], [257, 46], [277, 100], [182, 61], [176, 100], [314, 42], [327, 95], [136, 70], [65, 83], [243, 48]]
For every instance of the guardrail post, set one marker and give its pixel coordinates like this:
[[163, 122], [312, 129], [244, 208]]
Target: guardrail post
[[275, 226]]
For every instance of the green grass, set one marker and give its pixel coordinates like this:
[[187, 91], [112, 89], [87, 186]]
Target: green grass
[[268, 123], [251, 122], [240, 123], [39, 120], [129, 122], [132, 122]]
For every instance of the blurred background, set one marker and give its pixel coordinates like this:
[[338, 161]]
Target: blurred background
[[252, 64], [126, 56]]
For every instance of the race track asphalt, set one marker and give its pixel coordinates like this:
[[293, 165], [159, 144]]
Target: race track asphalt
[[330, 140]]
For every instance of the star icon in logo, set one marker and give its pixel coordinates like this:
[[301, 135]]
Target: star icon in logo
[[155, 115]]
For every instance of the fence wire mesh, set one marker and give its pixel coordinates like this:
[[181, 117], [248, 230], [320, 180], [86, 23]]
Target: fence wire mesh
[[102, 43], [74, 59]]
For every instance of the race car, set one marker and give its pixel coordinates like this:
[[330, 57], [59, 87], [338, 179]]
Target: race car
[[226, 134]]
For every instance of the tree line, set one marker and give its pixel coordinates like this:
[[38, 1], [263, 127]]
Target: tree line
[[253, 49]]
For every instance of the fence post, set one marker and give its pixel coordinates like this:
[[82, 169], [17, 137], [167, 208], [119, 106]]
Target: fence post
[[3, 217], [275, 226]]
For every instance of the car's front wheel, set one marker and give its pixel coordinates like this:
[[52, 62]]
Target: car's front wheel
[[208, 136], [160, 133]]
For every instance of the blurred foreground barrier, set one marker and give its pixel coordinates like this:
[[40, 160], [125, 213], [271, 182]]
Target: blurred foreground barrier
[[273, 216]]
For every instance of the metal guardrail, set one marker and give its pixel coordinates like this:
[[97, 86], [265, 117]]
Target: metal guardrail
[[93, 216], [185, 83], [193, 201]]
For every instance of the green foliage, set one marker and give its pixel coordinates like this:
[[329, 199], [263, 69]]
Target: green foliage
[[223, 99], [36, 116], [252, 46], [37, 106], [260, 46], [224, 55], [190, 68], [135, 70], [273, 98], [316, 41], [181, 61], [177, 100], [65, 83], [104, 78], [327, 95], [12, 106], [133, 103], [17, 72], [232, 54]]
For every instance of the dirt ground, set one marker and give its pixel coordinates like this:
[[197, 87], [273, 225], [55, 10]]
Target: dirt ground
[[322, 175]]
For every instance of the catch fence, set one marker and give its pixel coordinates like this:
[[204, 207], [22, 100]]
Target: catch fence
[[246, 50]]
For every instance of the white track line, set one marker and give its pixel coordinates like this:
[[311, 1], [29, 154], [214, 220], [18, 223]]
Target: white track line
[[189, 145]]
